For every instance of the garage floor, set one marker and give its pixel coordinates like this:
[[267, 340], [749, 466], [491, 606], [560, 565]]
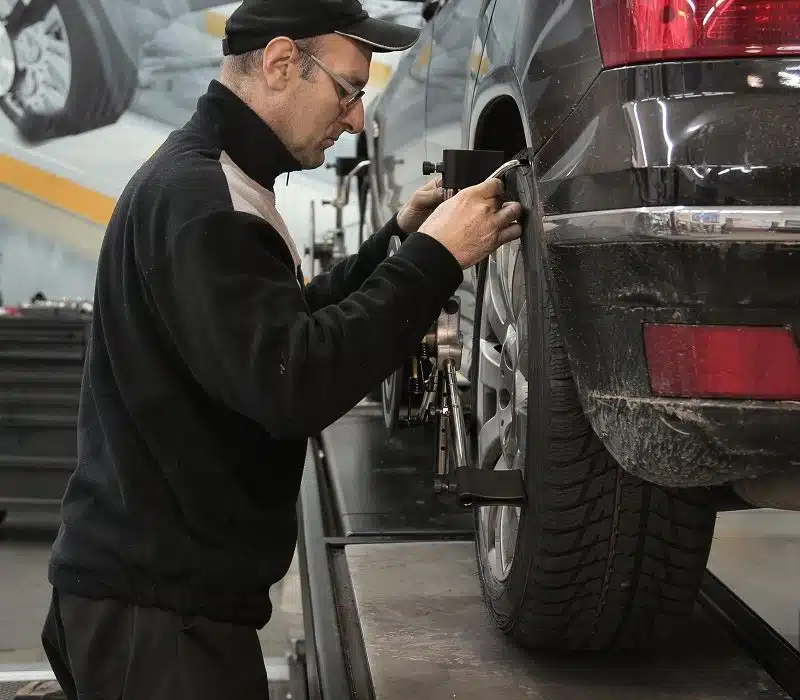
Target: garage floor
[[429, 641], [756, 553]]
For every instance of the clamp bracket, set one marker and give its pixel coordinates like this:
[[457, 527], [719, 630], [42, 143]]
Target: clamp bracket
[[435, 365]]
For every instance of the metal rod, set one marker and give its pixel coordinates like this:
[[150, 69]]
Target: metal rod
[[441, 442], [355, 171], [343, 195], [427, 398], [441, 457], [457, 415], [507, 166]]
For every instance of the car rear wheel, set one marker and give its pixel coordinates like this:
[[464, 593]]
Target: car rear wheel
[[597, 558], [393, 390], [62, 69], [367, 227]]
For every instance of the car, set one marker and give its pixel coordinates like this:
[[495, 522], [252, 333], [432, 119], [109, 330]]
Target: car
[[635, 355]]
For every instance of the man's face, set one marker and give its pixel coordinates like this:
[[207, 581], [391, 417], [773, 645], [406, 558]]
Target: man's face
[[318, 110]]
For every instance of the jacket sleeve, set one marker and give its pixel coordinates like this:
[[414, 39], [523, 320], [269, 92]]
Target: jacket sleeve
[[349, 274], [238, 317]]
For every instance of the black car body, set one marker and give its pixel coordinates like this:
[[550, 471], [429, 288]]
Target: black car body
[[662, 236], [671, 196]]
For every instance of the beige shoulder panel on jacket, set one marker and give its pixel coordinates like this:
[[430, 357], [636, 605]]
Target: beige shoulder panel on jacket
[[247, 195]]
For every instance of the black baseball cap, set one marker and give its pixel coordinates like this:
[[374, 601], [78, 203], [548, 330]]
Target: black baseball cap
[[256, 22]]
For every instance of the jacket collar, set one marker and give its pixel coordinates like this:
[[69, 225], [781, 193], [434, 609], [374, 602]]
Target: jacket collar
[[247, 139]]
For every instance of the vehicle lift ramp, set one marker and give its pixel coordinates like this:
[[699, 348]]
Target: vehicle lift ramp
[[393, 609], [392, 604]]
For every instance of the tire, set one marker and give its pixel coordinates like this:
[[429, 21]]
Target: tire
[[98, 79], [366, 222], [598, 559], [3, 516], [366, 227], [393, 390]]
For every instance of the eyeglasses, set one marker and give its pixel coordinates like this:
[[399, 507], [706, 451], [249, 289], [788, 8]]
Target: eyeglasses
[[352, 94]]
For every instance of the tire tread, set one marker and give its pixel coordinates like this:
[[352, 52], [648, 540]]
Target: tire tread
[[617, 562]]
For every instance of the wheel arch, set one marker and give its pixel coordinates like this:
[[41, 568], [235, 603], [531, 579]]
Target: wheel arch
[[500, 127], [494, 105], [496, 122]]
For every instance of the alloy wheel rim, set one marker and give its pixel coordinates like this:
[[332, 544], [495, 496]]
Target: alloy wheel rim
[[41, 74], [8, 62], [502, 397]]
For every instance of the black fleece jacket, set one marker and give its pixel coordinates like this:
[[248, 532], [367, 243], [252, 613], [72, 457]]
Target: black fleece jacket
[[210, 364]]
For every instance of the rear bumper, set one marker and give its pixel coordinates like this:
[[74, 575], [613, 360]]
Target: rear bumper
[[613, 272], [685, 442]]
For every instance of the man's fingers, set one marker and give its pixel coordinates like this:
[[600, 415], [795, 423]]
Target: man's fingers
[[431, 197], [491, 188], [508, 234], [496, 203], [508, 214]]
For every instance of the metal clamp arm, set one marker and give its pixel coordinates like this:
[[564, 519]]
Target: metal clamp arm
[[508, 166]]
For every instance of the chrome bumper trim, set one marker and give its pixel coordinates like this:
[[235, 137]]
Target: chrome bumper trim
[[725, 224]]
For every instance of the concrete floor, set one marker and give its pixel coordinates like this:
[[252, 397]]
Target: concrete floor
[[428, 641], [756, 553]]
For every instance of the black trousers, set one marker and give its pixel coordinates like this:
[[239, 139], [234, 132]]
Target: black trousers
[[106, 650]]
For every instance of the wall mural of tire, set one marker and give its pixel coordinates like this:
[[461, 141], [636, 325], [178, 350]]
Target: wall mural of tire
[[62, 69], [597, 559]]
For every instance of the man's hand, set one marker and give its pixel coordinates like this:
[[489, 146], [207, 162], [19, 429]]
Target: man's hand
[[475, 222], [422, 203]]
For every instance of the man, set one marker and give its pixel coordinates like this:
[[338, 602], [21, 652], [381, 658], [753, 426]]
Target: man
[[210, 363]]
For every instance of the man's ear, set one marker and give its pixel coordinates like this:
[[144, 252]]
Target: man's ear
[[277, 62]]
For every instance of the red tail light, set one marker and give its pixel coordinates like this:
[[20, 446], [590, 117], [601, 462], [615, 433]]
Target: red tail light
[[744, 362], [634, 31]]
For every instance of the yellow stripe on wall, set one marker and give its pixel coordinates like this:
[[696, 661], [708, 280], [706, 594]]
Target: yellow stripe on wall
[[56, 190], [379, 74], [215, 24]]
